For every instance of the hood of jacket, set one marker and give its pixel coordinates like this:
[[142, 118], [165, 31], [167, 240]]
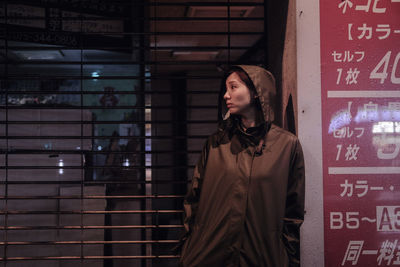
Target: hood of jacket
[[264, 83]]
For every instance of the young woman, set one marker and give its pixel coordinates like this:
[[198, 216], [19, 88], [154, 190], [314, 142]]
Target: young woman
[[246, 201]]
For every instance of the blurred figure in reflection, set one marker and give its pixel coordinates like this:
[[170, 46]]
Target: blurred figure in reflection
[[109, 99]]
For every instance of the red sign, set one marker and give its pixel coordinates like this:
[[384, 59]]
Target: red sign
[[360, 75]]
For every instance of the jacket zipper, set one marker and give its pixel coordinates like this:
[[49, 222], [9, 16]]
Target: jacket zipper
[[247, 201]]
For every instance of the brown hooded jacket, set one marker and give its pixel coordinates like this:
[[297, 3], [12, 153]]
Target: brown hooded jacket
[[246, 201]]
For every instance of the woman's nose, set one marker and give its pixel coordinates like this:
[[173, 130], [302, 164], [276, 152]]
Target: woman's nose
[[226, 95]]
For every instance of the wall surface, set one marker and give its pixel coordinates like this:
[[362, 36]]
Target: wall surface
[[289, 73], [309, 125]]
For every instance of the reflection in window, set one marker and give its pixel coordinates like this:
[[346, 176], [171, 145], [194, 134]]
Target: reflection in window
[[386, 127]]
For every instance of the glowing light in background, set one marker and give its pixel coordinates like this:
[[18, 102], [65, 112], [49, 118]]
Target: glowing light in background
[[126, 163], [60, 164], [386, 119], [386, 127], [95, 74], [340, 119]]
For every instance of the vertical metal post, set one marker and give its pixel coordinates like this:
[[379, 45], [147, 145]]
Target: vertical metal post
[[266, 57], [7, 147], [81, 148], [229, 33], [140, 13]]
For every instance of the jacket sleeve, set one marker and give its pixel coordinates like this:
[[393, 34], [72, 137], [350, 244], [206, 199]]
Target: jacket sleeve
[[191, 200], [294, 211]]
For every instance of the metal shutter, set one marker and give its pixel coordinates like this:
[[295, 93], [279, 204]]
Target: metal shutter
[[104, 108]]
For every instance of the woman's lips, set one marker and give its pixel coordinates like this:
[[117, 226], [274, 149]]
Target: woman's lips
[[229, 105]]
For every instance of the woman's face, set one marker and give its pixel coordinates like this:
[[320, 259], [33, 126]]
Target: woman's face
[[237, 96]]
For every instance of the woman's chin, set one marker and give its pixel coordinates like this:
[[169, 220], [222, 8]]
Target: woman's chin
[[233, 111]]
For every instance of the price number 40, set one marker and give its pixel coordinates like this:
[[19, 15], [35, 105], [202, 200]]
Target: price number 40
[[380, 71]]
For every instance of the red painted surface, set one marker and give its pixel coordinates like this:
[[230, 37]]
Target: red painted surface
[[360, 76]]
